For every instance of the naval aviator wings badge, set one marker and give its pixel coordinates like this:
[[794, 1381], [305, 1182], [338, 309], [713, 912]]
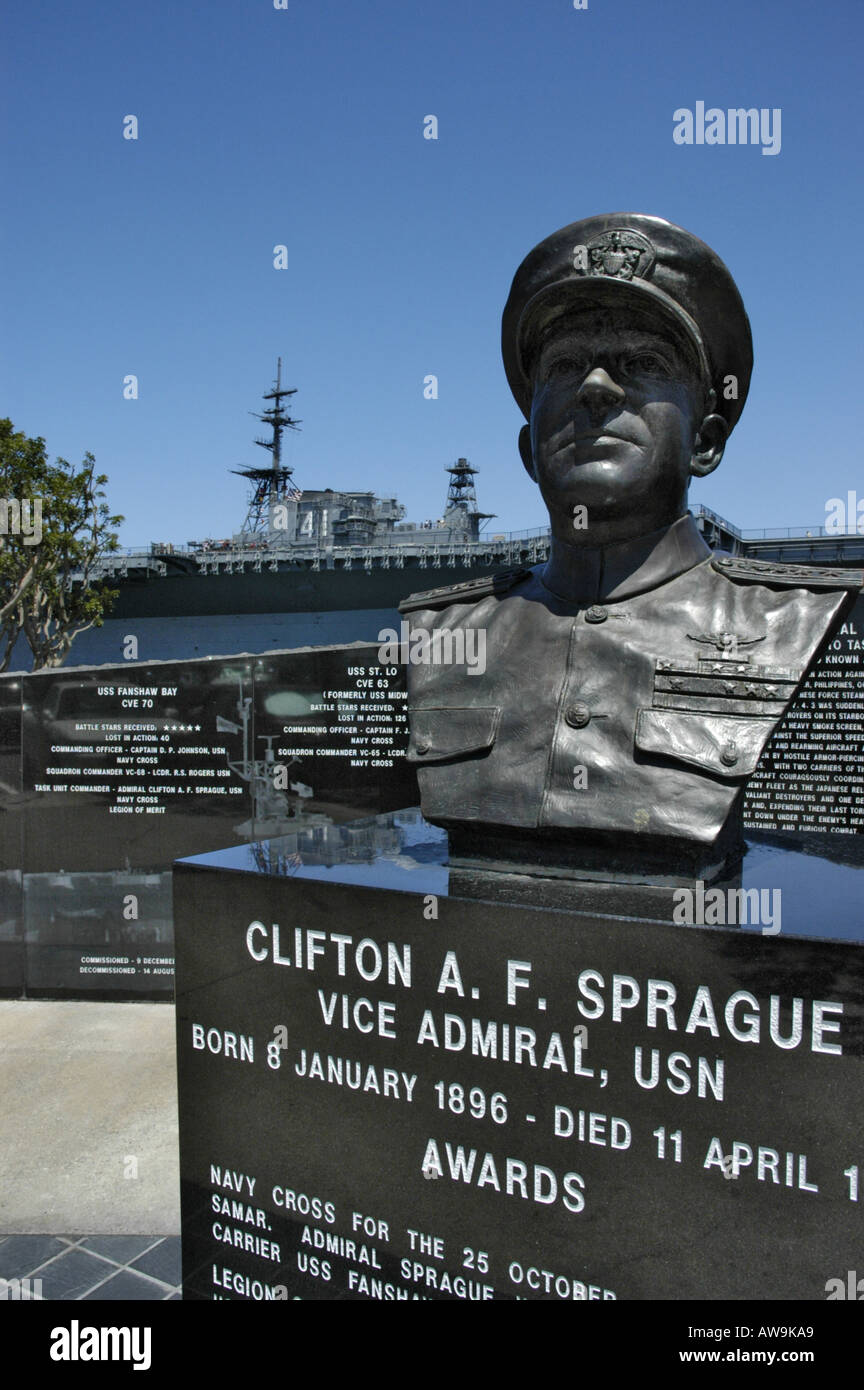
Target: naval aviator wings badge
[[726, 643], [724, 681]]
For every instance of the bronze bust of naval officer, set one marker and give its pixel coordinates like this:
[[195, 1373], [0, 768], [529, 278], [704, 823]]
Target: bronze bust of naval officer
[[631, 682]]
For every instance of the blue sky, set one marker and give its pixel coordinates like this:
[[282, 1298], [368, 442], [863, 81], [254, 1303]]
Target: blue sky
[[304, 127]]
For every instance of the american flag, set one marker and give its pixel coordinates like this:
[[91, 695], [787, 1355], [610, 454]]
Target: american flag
[[294, 495]]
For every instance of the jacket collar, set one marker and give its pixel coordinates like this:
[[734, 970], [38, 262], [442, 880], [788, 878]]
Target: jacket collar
[[579, 574]]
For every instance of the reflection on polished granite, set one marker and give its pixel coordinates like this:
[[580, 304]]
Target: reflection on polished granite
[[820, 878]]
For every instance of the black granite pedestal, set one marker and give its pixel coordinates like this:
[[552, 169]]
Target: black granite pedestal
[[395, 1085]]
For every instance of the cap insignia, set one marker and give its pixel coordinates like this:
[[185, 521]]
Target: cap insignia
[[619, 254]]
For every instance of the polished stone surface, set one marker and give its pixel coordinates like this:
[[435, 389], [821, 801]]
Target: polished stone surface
[[820, 878], [390, 1091], [108, 774]]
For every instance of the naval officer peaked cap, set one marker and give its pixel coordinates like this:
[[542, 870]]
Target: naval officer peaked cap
[[632, 258]]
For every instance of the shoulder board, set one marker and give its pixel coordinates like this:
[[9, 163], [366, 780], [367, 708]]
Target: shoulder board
[[787, 576], [469, 592]]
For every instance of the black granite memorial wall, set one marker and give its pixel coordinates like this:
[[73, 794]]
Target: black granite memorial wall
[[108, 774], [811, 776]]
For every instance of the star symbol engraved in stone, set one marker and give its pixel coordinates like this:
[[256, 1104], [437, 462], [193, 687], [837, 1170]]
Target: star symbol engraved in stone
[[675, 683], [770, 690], [730, 687]]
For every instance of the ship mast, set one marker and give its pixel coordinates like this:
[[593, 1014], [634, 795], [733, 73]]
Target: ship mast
[[270, 486], [461, 512]]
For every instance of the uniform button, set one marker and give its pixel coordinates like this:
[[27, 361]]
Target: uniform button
[[577, 715], [422, 748], [729, 754], [596, 613]]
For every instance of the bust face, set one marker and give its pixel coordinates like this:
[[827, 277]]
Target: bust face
[[616, 411]]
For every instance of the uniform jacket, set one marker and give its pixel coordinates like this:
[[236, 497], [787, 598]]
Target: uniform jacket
[[637, 709]]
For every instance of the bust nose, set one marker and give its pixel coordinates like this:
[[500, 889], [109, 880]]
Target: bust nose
[[598, 392]]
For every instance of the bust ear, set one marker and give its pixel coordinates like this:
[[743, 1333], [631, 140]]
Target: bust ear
[[708, 445], [525, 451]]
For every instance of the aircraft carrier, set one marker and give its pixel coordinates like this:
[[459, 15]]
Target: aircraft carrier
[[310, 567]]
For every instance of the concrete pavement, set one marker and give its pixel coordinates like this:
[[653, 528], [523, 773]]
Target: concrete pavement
[[88, 1119]]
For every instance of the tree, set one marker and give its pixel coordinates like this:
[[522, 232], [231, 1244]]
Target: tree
[[55, 526]]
